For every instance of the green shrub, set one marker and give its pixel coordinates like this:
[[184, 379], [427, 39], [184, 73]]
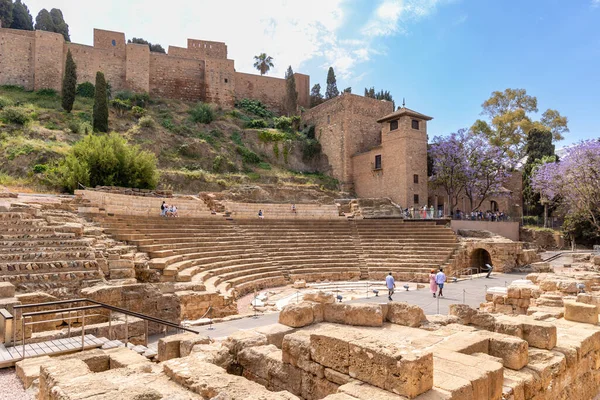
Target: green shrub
[[283, 124], [248, 156], [311, 149], [532, 220], [120, 106], [86, 89], [218, 164], [168, 124], [202, 113], [40, 168], [14, 115], [264, 165], [107, 160], [140, 99], [17, 151], [52, 126], [74, 126], [86, 128], [287, 147], [255, 107], [253, 176], [309, 132], [47, 92], [270, 136], [12, 88], [124, 95], [138, 112], [276, 150], [84, 116], [257, 124], [147, 122], [236, 138], [5, 102]]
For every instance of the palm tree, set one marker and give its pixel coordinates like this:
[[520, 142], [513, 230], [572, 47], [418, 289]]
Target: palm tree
[[263, 63]]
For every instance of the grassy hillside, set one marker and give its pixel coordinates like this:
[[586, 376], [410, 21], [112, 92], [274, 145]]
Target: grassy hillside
[[245, 145]]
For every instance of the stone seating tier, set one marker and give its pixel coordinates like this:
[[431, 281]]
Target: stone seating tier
[[282, 211]]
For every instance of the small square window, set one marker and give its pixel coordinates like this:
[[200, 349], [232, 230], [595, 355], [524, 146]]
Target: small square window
[[226, 80], [416, 199], [378, 161], [328, 119], [415, 124], [416, 178], [114, 43], [393, 125]]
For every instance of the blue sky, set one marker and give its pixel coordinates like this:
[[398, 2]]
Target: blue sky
[[444, 56]]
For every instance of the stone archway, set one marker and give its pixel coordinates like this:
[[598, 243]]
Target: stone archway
[[493, 206], [480, 257]]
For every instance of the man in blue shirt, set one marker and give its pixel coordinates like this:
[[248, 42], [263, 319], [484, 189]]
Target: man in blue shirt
[[390, 284], [440, 279]]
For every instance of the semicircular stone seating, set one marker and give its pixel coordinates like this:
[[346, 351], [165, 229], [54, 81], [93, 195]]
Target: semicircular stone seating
[[241, 255]]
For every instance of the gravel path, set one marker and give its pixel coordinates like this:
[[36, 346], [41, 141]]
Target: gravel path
[[11, 387]]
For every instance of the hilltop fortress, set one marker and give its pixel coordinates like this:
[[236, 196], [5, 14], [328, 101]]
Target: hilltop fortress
[[200, 72]]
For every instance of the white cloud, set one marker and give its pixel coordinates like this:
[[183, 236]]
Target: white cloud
[[292, 32], [595, 3]]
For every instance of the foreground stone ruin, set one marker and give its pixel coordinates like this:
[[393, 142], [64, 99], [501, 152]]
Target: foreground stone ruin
[[327, 350]]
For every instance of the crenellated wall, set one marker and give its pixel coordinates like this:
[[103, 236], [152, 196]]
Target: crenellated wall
[[200, 72]]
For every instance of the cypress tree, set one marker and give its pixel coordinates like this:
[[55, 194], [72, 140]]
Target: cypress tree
[[69, 86], [43, 21], [291, 95], [21, 17], [539, 145], [332, 90], [100, 104], [6, 13], [316, 97], [60, 26]]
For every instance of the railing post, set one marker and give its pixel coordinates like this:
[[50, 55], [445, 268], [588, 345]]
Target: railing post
[[146, 333], [82, 330], [109, 324], [23, 333], [126, 330]]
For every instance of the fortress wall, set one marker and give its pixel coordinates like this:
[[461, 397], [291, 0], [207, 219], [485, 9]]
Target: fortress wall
[[208, 49], [269, 90], [138, 68], [182, 52], [176, 78], [48, 60], [220, 82], [303, 89], [86, 60], [112, 64], [16, 58]]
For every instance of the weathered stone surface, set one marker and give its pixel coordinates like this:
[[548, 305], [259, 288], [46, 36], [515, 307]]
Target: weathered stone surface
[[7, 290], [512, 351], [296, 348], [244, 339], [123, 357], [275, 333], [353, 314], [364, 391], [581, 312], [463, 312], [214, 353], [297, 315], [405, 314], [320, 297], [186, 344], [170, 347], [28, 370]]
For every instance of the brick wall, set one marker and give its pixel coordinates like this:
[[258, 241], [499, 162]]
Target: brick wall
[[345, 126], [220, 82], [109, 40], [303, 89], [48, 60], [16, 58], [269, 90], [178, 78], [208, 49], [138, 68]]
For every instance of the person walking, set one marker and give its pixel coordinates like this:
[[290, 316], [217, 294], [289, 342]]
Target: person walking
[[432, 282], [390, 283], [440, 279]]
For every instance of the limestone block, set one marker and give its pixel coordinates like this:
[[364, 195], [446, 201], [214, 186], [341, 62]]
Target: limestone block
[[339, 396], [97, 360], [170, 347], [296, 348], [567, 286], [314, 388], [330, 347], [122, 273], [28, 370], [318, 312], [336, 377], [299, 284], [297, 315], [7, 290], [120, 264], [275, 333], [512, 351], [514, 292], [187, 343], [483, 320], [123, 357], [581, 312], [212, 353], [539, 334], [364, 391], [243, 339], [504, 309], [463, 312], [255, 360], [405, 314], [597, 260], [320, 297], [395, 368], [353, 314]]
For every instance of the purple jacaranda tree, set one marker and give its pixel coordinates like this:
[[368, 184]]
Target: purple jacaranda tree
[[575, 180], [466, 163]]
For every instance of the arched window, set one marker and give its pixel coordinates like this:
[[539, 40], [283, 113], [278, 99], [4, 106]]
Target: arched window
[[114, 42]]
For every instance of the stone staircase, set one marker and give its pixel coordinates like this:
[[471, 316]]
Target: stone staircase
[[35, 254], [281, 211]]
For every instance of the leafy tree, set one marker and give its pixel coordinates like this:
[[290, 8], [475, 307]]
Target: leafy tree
[[60, 26], [291, 95], [381, 95], [573, 182], [6, 13], [156, 48], [263, 63], [69, 84], [538, 145], [332, 90], [316, 97], [107, 160], [21, 17], [348, 90], [86, 89], [44, 22], [465, 163], [100, 117], [509, 120]]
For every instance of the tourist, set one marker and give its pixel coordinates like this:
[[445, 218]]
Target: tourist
[[174, 211], [431, 212], [260, 214], [390, 284], [432, 282], [163, 209], [294, 208], [440, 279]]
